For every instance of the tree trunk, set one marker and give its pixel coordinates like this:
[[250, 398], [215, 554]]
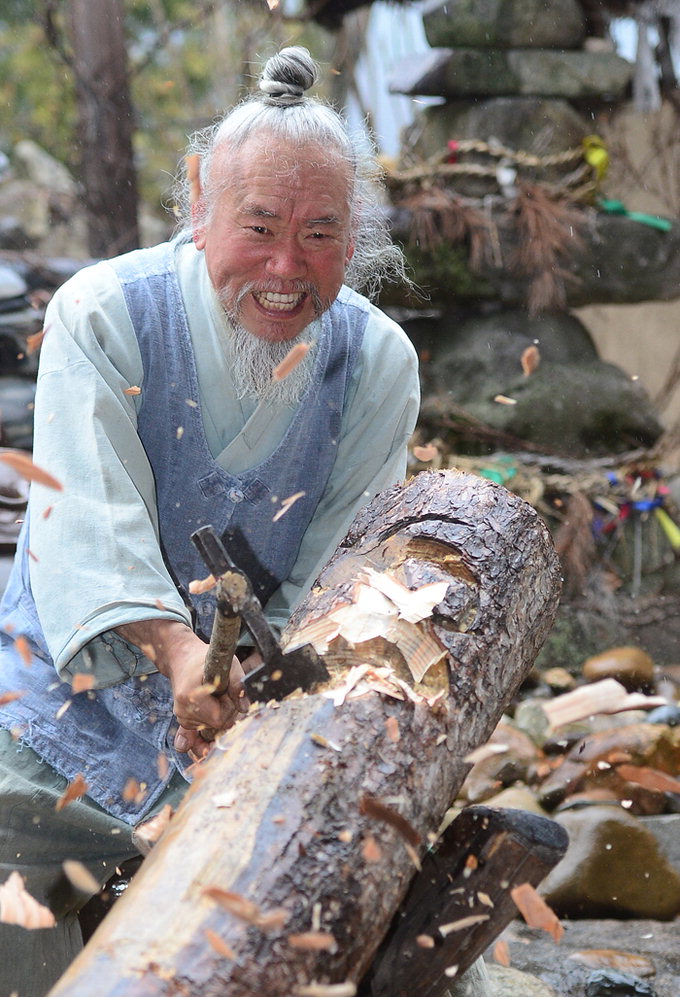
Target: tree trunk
[[336, 793], [104, 125]]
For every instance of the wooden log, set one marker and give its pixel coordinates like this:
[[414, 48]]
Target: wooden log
[[462, 898], [336, 794]]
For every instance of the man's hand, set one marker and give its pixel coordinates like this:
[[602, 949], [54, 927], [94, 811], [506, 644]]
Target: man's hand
[[180, 655]]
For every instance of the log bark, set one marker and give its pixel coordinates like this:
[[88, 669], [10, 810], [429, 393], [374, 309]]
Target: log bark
[[337, 793]]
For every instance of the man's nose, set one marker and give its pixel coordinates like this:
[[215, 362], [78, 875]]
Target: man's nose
[[286, 259]]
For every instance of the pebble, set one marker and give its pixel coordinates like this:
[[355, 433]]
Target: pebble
[[606, 983], [631, 666], [613, 868], [669, 715], [509, 982]]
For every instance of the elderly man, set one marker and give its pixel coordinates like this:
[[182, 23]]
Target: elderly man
[[157, 412]]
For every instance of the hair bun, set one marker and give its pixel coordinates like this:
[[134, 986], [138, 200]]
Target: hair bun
[[287, 75]]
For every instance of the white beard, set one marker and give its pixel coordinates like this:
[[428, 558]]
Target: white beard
[[253, 361]]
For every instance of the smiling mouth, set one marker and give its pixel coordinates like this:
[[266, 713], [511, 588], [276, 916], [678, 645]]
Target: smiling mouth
[[274, 301]]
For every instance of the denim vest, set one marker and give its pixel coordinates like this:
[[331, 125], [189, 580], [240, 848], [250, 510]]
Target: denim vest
[[118, 733]]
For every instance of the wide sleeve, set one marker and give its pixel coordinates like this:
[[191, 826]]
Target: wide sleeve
[[380, 415], [95, 558]]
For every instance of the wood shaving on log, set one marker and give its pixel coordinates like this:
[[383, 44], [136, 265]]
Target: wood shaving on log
[[316, 941], [347, 989]]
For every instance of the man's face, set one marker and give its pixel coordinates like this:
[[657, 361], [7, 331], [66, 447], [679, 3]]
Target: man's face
[[277, 239]]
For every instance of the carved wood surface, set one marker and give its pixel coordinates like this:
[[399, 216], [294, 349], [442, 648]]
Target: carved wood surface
[[280, 834]]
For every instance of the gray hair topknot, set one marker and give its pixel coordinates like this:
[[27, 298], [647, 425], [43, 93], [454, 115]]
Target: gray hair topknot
[[281, 109]]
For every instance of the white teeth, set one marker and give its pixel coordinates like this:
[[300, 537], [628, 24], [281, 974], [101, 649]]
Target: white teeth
[[279, 302]]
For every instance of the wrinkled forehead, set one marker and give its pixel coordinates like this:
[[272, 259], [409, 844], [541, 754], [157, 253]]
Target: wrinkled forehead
[[265, 157]]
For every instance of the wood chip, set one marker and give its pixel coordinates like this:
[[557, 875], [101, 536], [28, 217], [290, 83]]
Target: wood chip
[[606, 696], [80, 877], [501, 952], [425, 941], [371, 849], [290, 361], [147, 834], [462, 923], [485, 899], [133, 791], [317, 941], [23, 465], [75, 789], [286, 504], [392, 729], [485, 751], [9, 697], [82, 681], [24, 648], [162, 765], [34, 341], [62, 709], [200, 585], [426, 453], [504, 400], [246, 910], [134, 389], [219, 944], [535, 910], [17, 906], [530, 360]]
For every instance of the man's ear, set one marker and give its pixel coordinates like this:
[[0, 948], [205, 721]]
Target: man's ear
[[350, 253], [198, 224]]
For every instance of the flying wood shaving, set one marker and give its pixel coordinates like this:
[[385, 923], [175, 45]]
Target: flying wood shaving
[[24, 649], [80, 877], [323, 742], [501, 952], [347, 989], [377, 810], [649, 778], [17, 906], [504, 400], [246, 910], [425, 941], [133, 791], [316, 941], [535, 910], [273, 4], [23, 465], [9, 697], [75, 789], [219, 945], [134, 389], [290, 361], [426, 453], [149, 650], [485, 899], [82, 681], [607, 696], [286, 504], [200, 585], [371, 849], [530, 360], [392, 729], [147, 834], [162, 765], [464, 922], [62, 709], [34, 341]]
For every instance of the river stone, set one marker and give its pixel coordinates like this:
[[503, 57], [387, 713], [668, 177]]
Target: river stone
[[608, 983], [580, 409], [509, 982], [505, 23], [631, 666], [469, 72], [613, 868], [666, 830], [33, 163]]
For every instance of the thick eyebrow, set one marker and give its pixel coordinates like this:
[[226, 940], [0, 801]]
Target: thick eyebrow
[[257, 211]]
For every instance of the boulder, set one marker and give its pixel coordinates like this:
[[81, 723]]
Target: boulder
[[631, 666], [474, 72], [505, 23], [613, 868]]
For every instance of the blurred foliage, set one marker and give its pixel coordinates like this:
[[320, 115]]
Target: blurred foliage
[[188, 60]]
